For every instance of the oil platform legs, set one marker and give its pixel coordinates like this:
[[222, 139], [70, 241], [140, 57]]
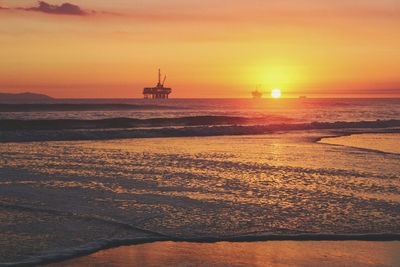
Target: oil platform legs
[[158, 92]]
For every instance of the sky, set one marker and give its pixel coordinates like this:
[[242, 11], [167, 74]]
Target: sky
[[207, 48]]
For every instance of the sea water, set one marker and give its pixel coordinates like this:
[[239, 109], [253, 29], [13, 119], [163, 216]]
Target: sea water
[[65, 198]]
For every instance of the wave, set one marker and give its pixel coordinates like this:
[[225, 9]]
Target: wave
[[65, 130], [93, 247], [80, 107], [61, 124], [75, 215]]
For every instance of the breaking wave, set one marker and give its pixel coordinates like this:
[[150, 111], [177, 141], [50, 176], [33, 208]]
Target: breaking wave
[[120, 128], [62, 124]]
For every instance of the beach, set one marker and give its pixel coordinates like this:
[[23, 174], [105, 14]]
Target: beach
[[69, 198], [278, 253]]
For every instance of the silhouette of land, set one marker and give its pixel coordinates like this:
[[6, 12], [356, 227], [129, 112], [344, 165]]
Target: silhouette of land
[[24, 98]]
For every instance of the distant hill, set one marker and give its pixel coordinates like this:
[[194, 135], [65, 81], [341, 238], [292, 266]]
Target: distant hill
[[24, 98]]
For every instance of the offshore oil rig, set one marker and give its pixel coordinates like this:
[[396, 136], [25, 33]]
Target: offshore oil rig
[[257, 94], [158, 92]]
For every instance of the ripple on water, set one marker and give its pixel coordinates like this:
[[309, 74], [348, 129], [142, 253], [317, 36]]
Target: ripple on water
[[214, 186]]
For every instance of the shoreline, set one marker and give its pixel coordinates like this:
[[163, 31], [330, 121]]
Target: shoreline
[[271, 253], [362, 148], [102, 245]]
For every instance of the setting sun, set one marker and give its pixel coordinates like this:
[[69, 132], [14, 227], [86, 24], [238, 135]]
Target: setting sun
[[276, 93]]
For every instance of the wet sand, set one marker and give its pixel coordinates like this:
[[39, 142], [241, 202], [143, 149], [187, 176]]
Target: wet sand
[[383, 142], [274, 253]]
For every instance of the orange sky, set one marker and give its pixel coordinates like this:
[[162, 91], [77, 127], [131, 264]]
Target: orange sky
[[208, 48]]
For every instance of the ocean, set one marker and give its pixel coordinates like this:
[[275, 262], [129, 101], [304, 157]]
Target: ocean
[[301, 110], [82, 175]]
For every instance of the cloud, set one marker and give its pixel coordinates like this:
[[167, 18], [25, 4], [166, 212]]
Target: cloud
[[63, 9]]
